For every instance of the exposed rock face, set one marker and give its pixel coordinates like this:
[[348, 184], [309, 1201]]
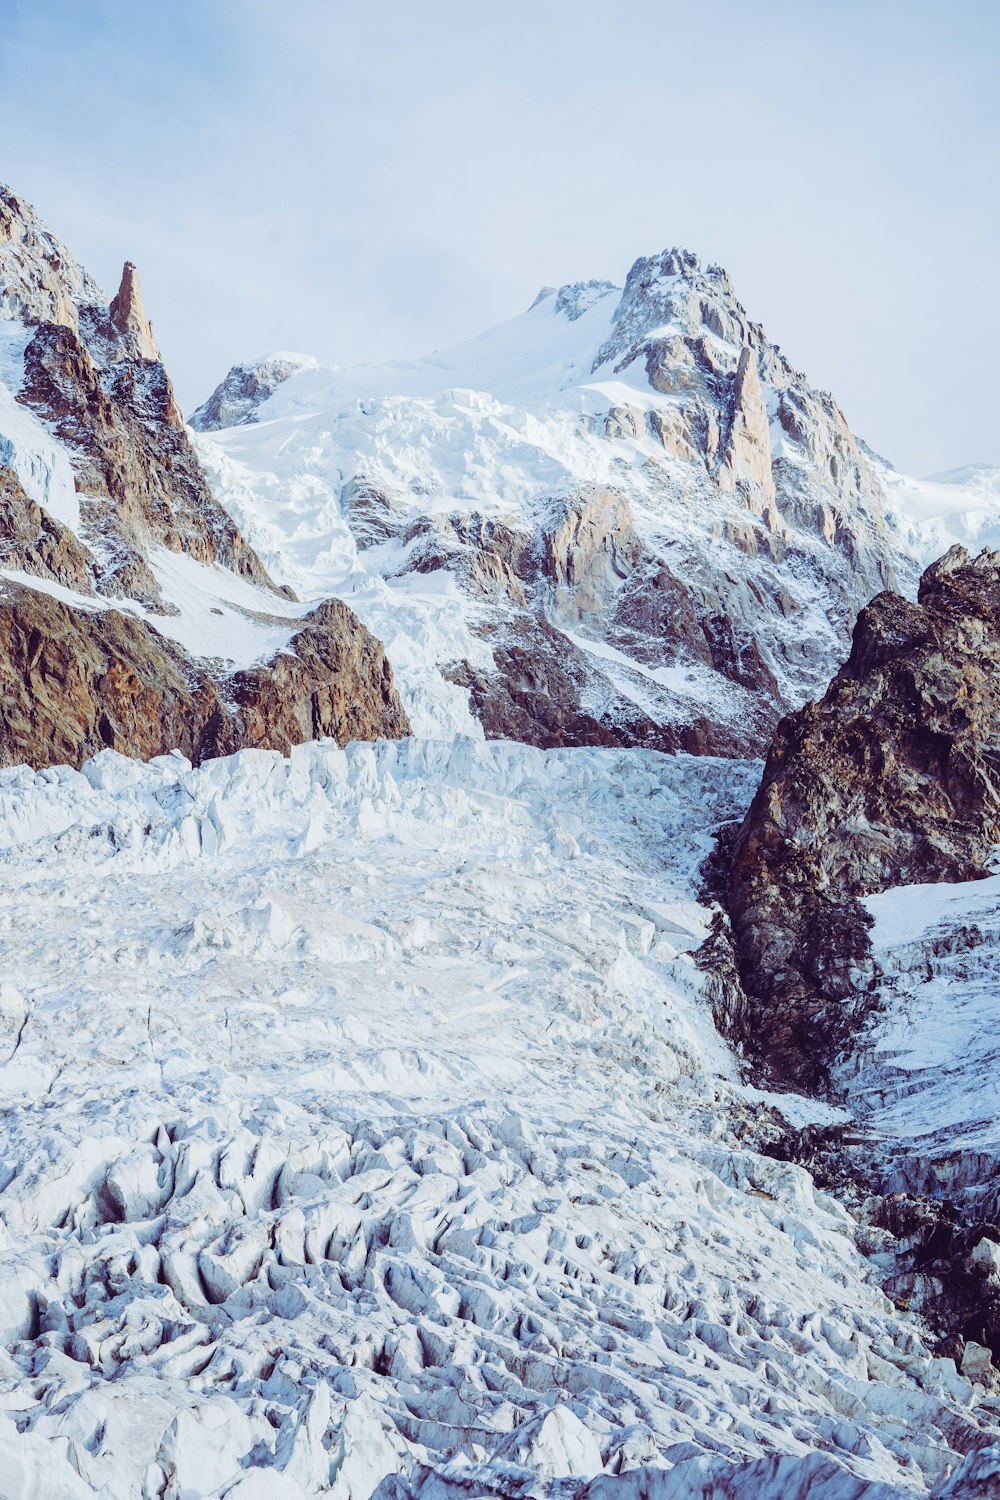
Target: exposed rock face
[[31, 541], [585, 569], [373, 515], [892, 778], [747, 451], [334, 681], [88, 408], [74, 681], [589, 548], [139, 480], [574, 299], [535, 693], [246, 387]]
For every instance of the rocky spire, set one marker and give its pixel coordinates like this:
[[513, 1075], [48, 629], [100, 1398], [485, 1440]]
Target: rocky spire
[[129, 316]]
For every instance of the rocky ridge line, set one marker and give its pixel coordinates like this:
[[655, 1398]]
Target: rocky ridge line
[[246, 387]]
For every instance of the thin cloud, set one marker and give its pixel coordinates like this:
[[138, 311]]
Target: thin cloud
[[367, 182]]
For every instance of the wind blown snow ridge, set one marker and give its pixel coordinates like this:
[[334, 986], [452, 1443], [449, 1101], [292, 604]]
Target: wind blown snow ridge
[[380, 1133]]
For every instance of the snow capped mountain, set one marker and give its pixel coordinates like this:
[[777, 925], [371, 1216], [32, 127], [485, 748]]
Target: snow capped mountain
[[379, 1119], [620, 518]]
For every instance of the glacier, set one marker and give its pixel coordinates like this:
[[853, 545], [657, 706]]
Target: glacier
[[379, 1138]]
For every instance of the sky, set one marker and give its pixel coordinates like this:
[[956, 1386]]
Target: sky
[[362, 182]]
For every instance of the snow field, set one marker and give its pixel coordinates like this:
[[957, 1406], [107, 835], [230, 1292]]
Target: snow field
[[380, 1128]]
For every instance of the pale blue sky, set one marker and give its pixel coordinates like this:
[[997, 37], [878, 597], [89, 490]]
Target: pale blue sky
[[360, 181]]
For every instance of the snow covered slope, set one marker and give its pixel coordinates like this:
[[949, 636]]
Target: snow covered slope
[[380, 1127], [625, 503], [960, 506]]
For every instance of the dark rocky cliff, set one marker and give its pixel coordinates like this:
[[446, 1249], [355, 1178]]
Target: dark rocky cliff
[[892, 778]]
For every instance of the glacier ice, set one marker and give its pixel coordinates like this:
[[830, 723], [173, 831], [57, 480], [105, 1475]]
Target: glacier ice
[[379, 1138]]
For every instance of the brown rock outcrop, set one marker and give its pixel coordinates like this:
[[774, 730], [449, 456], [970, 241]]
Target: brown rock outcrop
[[333, 681], [537, 692], [892, 778], [544, 690], [585, 569], [128, 315], [74, 681], [32, 541]]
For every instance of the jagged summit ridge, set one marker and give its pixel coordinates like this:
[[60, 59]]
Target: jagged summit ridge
[[88, 371], [670, 289], [40, 281], [575, 297]]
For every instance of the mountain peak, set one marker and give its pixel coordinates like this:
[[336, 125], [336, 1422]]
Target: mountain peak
[[129, 316], [673, 290]]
